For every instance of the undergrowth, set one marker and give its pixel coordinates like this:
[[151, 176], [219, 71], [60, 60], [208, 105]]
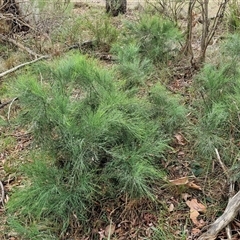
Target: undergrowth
[[99, 142], [98, 137], [217, 106], [145, 44]]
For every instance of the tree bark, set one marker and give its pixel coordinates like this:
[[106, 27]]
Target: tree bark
[[115, 7]]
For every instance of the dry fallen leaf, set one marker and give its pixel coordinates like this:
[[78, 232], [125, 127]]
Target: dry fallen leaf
[[193, 216], [179, 181], [194, 204], [185, 181], [195, 231], [193, 186], [109, 230], [180, 139], [171, 207], [195, 209], [185, 196]]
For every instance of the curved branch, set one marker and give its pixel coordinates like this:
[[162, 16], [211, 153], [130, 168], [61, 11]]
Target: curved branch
[[2, 193], [22, 65], [229, 214]]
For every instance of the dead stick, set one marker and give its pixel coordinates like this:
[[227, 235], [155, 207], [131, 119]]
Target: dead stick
[[2, 192], [19, 45], [22, 65], [227, 228], [229, 214], [2, 105], [9, 109], [222, 164]]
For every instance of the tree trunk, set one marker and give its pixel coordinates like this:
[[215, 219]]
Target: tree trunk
[[115, 7], [19, 15], [16, 15]]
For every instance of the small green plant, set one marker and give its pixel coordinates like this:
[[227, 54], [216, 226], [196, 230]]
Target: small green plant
[[70, 32], [97, 141], [148, 41], [217, 109], [6, 143], [132, 67], [233, 15], [166, 105], [215, 83], [31, 231], [231, 48], [211, 131], [157, 38], [102, 31]]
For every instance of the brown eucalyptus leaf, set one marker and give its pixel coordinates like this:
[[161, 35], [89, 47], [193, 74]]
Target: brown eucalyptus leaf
[[180, 139], [171, 207], [179, 181], [109, 230], [193, 186]]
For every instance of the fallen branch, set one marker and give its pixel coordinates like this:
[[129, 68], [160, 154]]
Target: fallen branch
[[2, 193], [229, 214], [22, 65], [9, 109], [231, 189], [222, 164], [2, 105], [19, 45]]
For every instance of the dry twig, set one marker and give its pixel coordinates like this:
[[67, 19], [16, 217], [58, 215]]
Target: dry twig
[[19, 45], [229, 214], [9, 109], [2, 105], [2, 193], [222, 164], [22, 65]]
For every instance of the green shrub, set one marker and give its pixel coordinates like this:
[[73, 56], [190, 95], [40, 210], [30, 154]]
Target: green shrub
[[70, 32], [132, 67], [102, 31], [233, 15], [211, 130], [168, 107], [215, 83], [231, 48], [157, 38], [98, 142], [217, 109]]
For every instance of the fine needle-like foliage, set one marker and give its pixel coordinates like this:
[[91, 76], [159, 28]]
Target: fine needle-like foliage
[[132, 66], [158, 38], [147, 42], [217, 110], [168, 108], [98, 141]]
